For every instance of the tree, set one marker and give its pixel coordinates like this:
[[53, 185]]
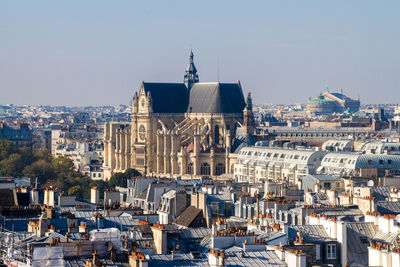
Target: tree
[[62, 166], [41, 169], [12, 166], [119, 179], [6, 148], [75, 191], [43, 154]]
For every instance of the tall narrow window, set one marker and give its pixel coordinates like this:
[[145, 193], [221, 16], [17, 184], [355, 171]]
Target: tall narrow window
[[216, 134], [189, 168], [331, 251], [205, 169], [219, 169]]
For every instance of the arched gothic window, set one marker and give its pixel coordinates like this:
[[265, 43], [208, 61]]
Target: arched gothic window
[[216, 134], [189, 169], [219, 169], [205, 169]]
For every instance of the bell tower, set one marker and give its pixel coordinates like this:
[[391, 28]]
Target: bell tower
[[248, 118], [191, 76]]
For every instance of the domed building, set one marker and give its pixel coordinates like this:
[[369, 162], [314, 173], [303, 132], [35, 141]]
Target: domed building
[[328, 103], [320, 105]]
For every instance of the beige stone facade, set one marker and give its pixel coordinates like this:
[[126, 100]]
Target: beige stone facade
[[171, 138]]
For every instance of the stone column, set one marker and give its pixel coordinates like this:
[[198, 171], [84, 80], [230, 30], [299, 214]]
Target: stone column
[[111, 155], [167, 152], [175, 144], [212, 162], [117, 150], [122, 149], [105, 143], [227, 151], [160, 152], [127, 148], [184, 160], [196, 152], [106, 156]]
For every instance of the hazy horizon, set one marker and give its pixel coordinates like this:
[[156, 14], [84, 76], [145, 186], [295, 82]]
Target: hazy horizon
[[93, 53]]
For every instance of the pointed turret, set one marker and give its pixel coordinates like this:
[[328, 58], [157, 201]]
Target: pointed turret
[[249, 102], [191, 76], [248, 118]]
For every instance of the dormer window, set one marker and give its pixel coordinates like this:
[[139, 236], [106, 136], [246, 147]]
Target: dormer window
[[331, 251]]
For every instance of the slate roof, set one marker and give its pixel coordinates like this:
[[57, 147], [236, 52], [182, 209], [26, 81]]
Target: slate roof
[[323, 177], [7, 198], [390, 238], [234, 258], [216, 98], [358, 240], [256, 258], [312, 232], [388, 207], [167, 97], [185, 260], [195, 232], [143, 195], [188, 216], [381, 192]]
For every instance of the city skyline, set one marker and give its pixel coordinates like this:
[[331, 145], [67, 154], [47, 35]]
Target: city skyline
[[96, 53]]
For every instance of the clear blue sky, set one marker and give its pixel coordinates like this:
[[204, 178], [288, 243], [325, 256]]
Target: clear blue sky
[[97, 52]]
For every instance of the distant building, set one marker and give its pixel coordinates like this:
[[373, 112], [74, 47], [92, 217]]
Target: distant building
[[328, 103], [42, 139], [259, 163], [87, 157], [20, 135]]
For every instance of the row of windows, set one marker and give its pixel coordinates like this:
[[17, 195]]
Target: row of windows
[[313, 134], [205, 169], [274, 155], [343, 160]]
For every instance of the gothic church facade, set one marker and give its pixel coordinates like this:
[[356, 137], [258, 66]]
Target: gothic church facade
[[184, 129]]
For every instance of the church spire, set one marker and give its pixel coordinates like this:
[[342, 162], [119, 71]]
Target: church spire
[[191, 76], [249, 102], [248, 117]]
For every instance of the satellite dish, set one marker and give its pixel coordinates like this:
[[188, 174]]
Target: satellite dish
[[109, 246], [370, 183]]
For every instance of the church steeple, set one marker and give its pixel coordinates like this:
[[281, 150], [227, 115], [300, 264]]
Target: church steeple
[[249, 102], [248, 117], [191, 76]]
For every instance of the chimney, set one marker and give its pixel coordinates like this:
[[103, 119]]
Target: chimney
[[137, 259], [160, 238], [342, 239], [94, 195], [216, 258], [43, 226], [95, 258], [34, 196]]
